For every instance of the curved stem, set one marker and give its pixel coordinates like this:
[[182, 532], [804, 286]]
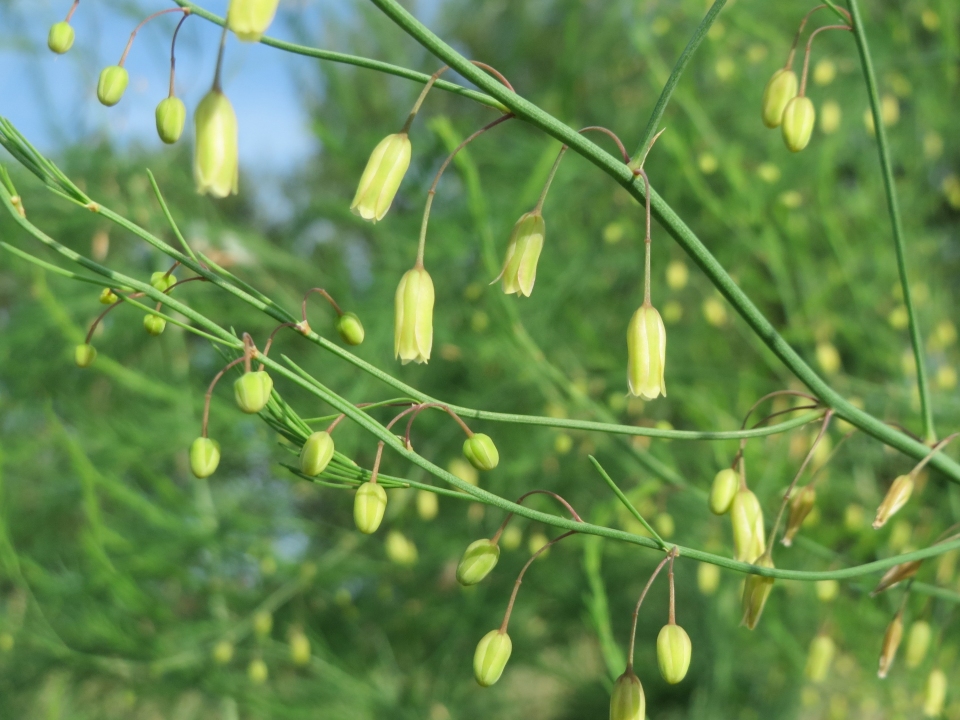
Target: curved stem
[[220, 52], [636, 611], [433, 188], [326, 295], [549, 493], [796, 38], [893, 205], [73, 9], [269, 344], [173, 48], [433, 79], [423, 406], [213, 384], [933, 451], [546, 186], [126, 50], [516, 585], [609, 133], [806, 54], [376, 462]]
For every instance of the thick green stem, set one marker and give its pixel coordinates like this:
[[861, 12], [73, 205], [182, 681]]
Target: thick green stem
[[686, 238], [893, 205]]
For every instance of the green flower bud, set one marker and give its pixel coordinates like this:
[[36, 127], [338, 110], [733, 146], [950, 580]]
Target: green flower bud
[[708, 578], [154, 324], [204, 457], [918, 642], [481, 452], [478, 560], [112, 84], [673, 653], [84, 355], [820, 658], [491, 657], [108, 297], [746, 515], [413, 322], [891, 641], [162, 280], [427, 505], [780, 90], [171, 116], [627, 701], [249, 19], [799, 118], [756, 590], [646, 353], [350, 329], [724, 488], [936, 693], [299, 649], [400, 549], [262, 623], [252, 391], [60, 39], [316, 453], [257, 672], [896, 497], [216, 169], [382, 177], [223, 652], [523, 251], [801, 504], [368, 507]]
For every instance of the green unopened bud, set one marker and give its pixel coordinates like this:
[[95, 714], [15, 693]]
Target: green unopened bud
[[84, 355], [171, 115], [216, 168], [257, 671], [820, 658], [204, 457], [896, 497], [162, 281], [780, 89], [646, 353], [891, 641], [673, 653], [756, 590], [108, 297], [478, 560], [60, 38], [746, 515], [491, 657], [350, 329], [724, 489], [400, 549], [936, 693], [801, 504], [918, 642], [249, 19], [368, 507], [223, 652], [382, 177], [154, 324], [481, 452], [112, 84], [413, 319], [316, 453], [427, 505], [252, 391], [523, 251], [896, 575], [708, 578], [299, 649], [627, 701], [799, 117], [262, 623]]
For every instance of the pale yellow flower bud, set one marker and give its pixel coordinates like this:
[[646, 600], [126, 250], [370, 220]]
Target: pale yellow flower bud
[[756, 590], [896, 497], [520, 266], [249, 19], [257, 672], [382, 177], [822, 650], [413, 328], [673, 653], [316, 453], [171, 115], [936, 693], [84, 355], [477, 562], [112, 84], [491, 657], [299, 649], [780, 89], [204, 457], [627, 701], [708, 578], [799, 117], [60, 39], [918, 641], [724, 489], [891, 641], [369, 505], [646, 353], [216, 168], [746, 515]]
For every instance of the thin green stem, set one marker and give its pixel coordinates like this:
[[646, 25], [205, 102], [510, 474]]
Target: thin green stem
[[685, 237], [626, 501], [702, 29], [893, 205]]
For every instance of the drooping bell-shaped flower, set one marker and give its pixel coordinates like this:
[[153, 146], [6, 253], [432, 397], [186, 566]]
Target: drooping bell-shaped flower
[[493, 652], [646, 353], [381, 178], [413, 327], [249, 19], [780, 89], [171, 116], [216, 168], [523, 251], [799, 117]]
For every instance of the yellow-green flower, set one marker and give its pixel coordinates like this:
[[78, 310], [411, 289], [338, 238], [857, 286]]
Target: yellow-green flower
[[520, 266], [171, 115], [60, 39], [756, 590], [896, 497], [799, 117], [84, 355], [724, 489], [382, 177], [249, 19], [204, 457], [746, 515], [646, 353], [780, 89], [216, 168], [627, 701], [491, 657], [673, 652], [413, 327]]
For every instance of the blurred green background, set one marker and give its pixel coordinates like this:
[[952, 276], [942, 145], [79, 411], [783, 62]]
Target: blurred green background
[[121, 576]]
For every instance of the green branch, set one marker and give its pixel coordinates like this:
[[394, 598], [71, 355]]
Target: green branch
[[893, 205], [685, 237]]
